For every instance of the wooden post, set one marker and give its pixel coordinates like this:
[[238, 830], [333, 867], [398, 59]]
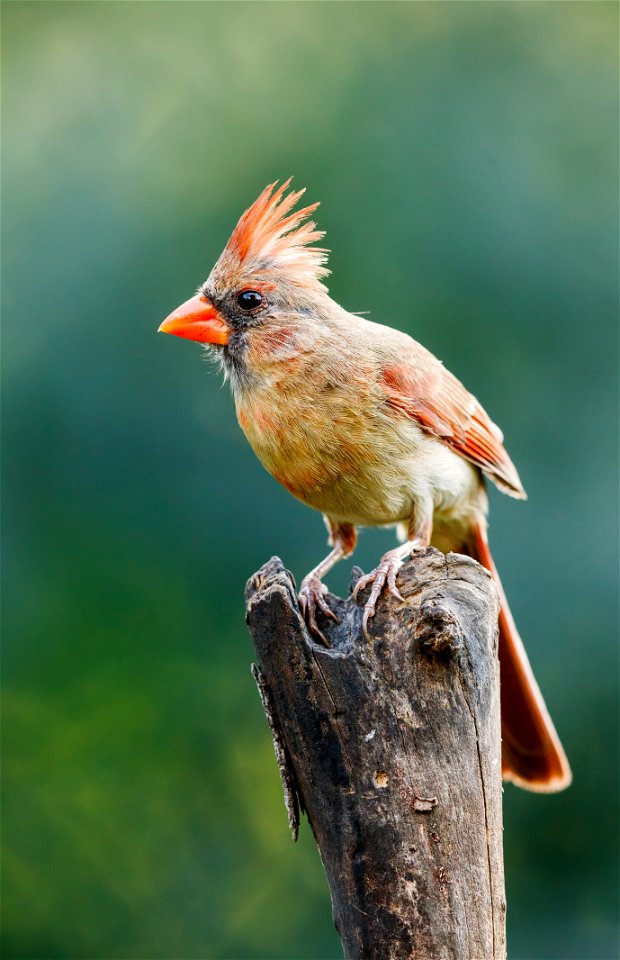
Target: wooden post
[[392, 747]]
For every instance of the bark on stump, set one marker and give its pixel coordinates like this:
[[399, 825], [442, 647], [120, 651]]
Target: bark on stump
[[392, 748]]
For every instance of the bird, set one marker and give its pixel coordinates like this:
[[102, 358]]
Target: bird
[[364, 424]]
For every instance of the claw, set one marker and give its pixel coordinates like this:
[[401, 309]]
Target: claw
[[363, 582], [311, 597], [391, 581], [386, 572]]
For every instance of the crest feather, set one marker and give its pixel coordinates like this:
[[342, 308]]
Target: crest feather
[[270, 235]]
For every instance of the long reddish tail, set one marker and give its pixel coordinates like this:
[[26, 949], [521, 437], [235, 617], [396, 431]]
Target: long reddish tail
[[532, 755]]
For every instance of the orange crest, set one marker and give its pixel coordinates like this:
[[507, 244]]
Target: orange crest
[[269, 237]]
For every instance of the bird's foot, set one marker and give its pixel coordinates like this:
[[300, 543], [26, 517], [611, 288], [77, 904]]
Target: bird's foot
[[385, 573], [312, 597]]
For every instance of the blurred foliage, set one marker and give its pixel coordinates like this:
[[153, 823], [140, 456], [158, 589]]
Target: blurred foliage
[[465, 157]]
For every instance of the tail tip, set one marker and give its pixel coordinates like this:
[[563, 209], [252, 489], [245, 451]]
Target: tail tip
[[552, 782]]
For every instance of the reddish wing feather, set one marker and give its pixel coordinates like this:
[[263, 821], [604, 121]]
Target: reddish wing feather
[[430, 394]]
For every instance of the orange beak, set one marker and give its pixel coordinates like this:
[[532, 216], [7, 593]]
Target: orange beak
[[197, 319]]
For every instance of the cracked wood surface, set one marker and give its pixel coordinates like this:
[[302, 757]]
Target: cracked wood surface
[[393, 749]]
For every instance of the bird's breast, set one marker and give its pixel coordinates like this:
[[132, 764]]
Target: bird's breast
[[296, 439]]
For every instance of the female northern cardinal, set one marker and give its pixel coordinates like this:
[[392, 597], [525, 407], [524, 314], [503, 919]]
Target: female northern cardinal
[[364, 424]]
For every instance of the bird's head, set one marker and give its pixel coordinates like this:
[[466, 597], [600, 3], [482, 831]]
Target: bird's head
[[268, 271]]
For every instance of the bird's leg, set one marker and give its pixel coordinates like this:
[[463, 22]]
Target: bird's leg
[[342, 537], [418, 538]]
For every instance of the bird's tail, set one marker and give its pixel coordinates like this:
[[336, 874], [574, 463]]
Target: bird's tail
[[532, 755]]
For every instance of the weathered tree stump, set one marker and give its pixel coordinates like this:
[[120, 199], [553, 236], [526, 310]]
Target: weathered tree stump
[[392, 748]]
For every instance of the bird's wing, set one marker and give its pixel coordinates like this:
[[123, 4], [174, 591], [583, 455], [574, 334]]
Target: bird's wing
[[417, 385]]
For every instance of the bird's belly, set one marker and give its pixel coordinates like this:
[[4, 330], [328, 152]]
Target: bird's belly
[[423, 475], [363, 473], [362, 497]]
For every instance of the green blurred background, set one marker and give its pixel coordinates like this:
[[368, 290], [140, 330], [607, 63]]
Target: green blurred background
[[465, 157]]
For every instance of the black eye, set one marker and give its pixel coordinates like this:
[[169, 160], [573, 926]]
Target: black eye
[[249, 299]]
